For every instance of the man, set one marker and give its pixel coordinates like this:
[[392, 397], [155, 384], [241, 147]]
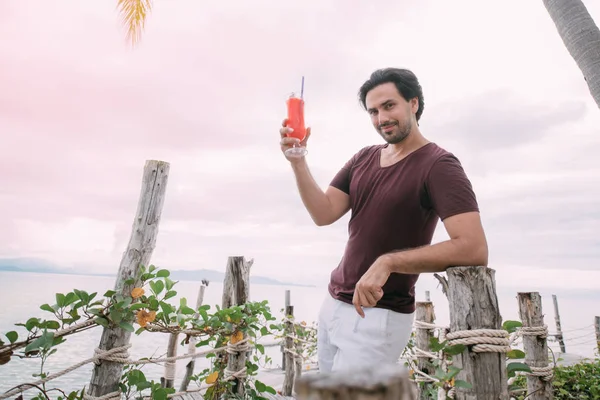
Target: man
[[397, 192]]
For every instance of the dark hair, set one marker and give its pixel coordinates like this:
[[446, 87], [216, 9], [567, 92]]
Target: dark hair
[[405, 80]]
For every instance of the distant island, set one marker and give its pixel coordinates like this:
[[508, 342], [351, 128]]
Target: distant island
[[45, 267]]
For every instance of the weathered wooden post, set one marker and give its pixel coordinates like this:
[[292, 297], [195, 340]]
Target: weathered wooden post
[[299, 331], [189, 368], [288, 380], [424, 317], [107, 374], [237, 276], [539, 381], [384, 382], [559, 333], [475, 321], [168, 379], [288, 303], [597, 329]]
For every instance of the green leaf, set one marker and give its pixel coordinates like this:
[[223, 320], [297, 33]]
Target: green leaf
[[452, 372], [516, 366], [50, 325], [70, 298], [102, 321], [127, 326], [462, 384], [187, 311], [159, 394], [170, 293], [515, 354], [116, 316], [12, 336], [162, 273], [169, 283], [46, 307], [153, 304], [260, 348], [138, 306], [455, 350], [129, 281], [511, 326], [151, 268], [260, 386], [31, 323], [109, 293], [60, 299], [166, 307], [157, 287]]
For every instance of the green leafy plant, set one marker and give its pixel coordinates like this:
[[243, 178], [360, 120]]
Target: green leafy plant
[[579, 381], [146, 305]]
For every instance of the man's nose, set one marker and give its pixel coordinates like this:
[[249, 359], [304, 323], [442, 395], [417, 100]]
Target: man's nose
[[383, 118]]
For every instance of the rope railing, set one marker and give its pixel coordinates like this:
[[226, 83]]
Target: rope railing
[[121, 355]]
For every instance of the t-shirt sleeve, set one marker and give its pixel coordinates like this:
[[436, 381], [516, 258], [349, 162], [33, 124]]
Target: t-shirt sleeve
[[342, 179], [450, 190]]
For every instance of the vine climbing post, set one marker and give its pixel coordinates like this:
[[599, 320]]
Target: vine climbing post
[[475, 321], [107, 373], [535, 332]]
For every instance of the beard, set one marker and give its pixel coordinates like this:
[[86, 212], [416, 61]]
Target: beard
[[398, 134]]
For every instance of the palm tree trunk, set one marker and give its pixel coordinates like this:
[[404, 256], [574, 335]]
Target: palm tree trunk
[[581, 37]]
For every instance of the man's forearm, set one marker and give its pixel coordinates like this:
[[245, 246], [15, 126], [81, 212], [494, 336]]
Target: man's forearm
[[437, 257], [314, 198]]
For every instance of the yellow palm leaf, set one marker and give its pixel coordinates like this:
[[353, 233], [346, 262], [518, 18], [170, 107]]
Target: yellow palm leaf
[[133, 16]]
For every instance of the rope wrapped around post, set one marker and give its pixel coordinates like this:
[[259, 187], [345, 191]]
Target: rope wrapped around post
[[482, 340], [233, 349], [544, 373]]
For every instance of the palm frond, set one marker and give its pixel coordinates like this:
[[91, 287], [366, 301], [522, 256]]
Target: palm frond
[[133, 16]]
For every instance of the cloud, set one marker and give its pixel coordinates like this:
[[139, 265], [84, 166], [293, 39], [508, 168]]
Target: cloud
[[205, 90]]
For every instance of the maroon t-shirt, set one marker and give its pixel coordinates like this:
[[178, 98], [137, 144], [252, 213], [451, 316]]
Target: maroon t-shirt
[[396, 208]]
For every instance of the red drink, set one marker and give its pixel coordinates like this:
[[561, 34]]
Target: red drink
[[295, 108]]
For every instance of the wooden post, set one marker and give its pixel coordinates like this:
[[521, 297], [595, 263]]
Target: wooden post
[[559, 334], [238, 269], [384, 382], [535, 345], [424, 313], [474, 306], [168, 380], [288, 303], [597, 326], [288, 380], [299, 331], [107, 374], [189, 368]]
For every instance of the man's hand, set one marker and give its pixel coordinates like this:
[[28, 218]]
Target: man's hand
[[289, 142], [369, 289]]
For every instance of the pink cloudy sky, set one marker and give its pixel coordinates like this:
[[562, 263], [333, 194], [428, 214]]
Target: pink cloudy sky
[[80, 112]]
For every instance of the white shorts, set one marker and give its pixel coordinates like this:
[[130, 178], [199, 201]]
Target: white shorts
[[346, 340]]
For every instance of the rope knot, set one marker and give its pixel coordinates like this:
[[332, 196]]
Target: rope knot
[[482, 340], [118, 355], [541, 331], [239, 347]]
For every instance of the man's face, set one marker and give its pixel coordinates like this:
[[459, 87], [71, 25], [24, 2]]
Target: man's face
[[391, 115]]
